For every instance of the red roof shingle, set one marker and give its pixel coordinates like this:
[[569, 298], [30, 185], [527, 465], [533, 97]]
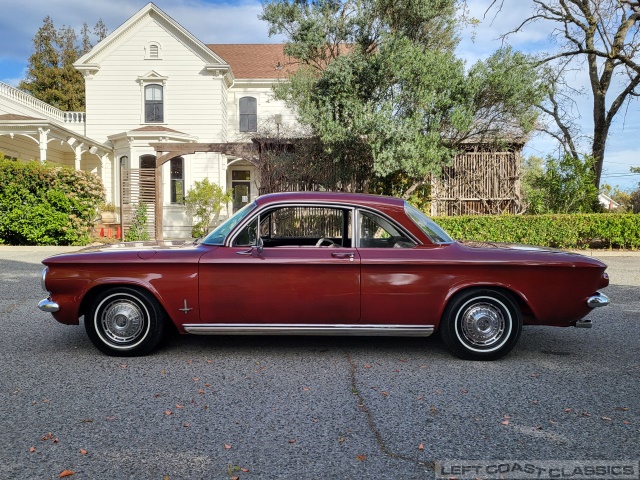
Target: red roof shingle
[[255, 60]]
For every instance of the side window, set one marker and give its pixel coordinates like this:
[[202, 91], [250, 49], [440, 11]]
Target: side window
[[300, 226], [248, 114], [375, 231], [248, 236], [153, 104]]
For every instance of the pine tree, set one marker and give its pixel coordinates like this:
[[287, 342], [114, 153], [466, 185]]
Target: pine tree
[[51, 76]]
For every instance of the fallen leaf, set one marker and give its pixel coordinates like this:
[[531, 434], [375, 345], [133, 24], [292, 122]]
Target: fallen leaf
[[535, 402], [32, 449], [163, 372], [424, 366], [623, 409], [66, 473], [366, 365], [626, 422], [168, 412], [384, 393], [505, 422], [606, 418], [245, 470], [420, 398], [306, 389], [361, 458], [48, 436], [293, 440], [507, 417], [201, 392], [433, 410], [586, 414], [421, 447], [179, 406], [83, 451], [403, 360], [111, 418], [209, 361], [314, 420], [463, 391], [186, 425], [567, 410], [207, 385], [341, 440], [195, 379], [235, 478], [227, 446], [56, 440], [124, 365], [396, 370]]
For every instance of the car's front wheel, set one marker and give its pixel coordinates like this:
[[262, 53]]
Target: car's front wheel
[[125, 321], [481, 324]]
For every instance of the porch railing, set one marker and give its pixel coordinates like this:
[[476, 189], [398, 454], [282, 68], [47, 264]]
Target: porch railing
[[38, 105]]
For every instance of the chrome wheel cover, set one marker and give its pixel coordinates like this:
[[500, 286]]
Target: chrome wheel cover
[[123, 321], [482, 325]]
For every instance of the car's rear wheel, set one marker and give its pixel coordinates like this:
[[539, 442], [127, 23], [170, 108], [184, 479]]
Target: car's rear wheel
[[125, 321], [481, 324]]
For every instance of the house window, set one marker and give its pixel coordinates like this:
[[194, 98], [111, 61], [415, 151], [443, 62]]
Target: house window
[[248, 114], [177, 180], [153, 104]]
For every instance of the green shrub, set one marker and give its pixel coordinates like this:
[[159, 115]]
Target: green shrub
[[47, 204], [561, 231], [138, 229]]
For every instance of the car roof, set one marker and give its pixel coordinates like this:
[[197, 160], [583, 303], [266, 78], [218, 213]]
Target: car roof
[[363, 199]]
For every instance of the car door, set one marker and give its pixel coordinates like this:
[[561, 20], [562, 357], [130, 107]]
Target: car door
[[305, 270], [397, 282]]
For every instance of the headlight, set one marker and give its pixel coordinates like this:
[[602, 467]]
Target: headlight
[[43, 279]]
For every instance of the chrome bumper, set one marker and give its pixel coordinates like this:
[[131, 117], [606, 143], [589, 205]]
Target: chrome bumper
[[48, 306], [598, 300]]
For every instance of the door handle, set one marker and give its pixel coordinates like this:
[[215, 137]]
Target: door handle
[[349, 255]]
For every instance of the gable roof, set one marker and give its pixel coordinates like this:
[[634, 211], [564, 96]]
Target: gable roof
[[255, 60], [89, 61]]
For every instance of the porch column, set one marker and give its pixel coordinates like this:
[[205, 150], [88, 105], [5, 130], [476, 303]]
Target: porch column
[[78, 152], [43, 144]]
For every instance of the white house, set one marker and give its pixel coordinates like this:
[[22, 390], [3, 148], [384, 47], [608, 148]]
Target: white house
[[154, 91]]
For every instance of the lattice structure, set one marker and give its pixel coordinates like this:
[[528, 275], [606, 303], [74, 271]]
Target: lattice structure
[[478, 183]]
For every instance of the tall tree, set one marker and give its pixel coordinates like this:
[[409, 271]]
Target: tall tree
[[604, 35], [383, 75], [51, 76]]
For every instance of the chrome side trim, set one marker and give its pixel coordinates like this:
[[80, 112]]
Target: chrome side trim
[[43, 278], [48, 306], [310, 329], [598, 300]]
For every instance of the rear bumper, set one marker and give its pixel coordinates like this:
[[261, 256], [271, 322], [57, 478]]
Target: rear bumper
[[598, 300], [48, 306]]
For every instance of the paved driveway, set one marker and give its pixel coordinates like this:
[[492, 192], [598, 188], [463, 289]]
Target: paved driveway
[[308, 408]]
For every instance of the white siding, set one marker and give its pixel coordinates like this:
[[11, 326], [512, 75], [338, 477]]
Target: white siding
[[193, 97]]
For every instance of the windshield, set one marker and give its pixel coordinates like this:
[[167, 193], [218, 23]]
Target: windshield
[[218, 236], [428, 226]]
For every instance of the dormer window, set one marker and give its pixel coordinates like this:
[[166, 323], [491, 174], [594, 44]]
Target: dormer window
[[153, 51]]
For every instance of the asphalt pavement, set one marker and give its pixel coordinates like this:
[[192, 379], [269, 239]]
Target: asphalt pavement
[[309, 407]]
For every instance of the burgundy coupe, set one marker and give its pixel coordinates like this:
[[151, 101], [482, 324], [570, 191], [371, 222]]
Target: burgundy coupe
[[322, 264]]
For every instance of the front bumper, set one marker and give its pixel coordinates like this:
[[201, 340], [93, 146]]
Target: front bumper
[[598, 300], [48, 306]]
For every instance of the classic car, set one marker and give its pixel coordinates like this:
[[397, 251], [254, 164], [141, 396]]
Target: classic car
[[322, 264]]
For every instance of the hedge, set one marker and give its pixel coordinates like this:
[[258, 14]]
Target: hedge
[[575, 231], [47, 204]]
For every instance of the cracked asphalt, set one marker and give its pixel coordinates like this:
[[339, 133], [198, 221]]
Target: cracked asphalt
[[308, 407]]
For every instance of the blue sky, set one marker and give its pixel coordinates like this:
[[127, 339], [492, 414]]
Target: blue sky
[[215, 21]]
